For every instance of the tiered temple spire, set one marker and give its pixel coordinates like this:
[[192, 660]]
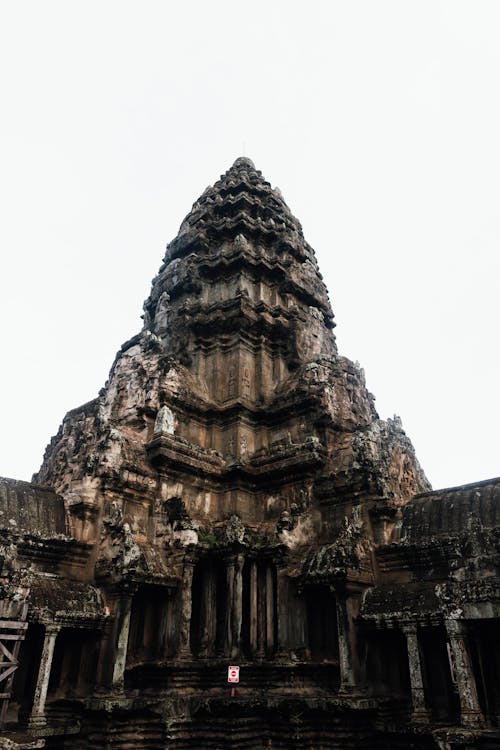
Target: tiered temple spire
[[231, 494]]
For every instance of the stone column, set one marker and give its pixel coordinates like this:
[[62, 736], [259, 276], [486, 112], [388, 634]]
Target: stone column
[[269, 609], [228, 629], [254, 601], [419, 709], [121, 632], [470, 709], [114, 640], [36, 717], [261, 611], [186, 593], [298, 626], [283, 604], [238, 605], [169, 624], [234, 607], [347, 680], [208, 613]]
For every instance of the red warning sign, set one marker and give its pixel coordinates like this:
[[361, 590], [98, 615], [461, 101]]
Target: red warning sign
[[233, 674]]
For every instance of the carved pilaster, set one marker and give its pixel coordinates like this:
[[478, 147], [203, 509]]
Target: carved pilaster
[[269, 609], [347, 679], [254, 600], [121, 632], [186, 609], [470, 710], [36, 717], [420, 712]]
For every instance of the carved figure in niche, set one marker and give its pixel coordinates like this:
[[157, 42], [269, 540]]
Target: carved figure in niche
[[285, 522], [317, 314], [396, 531], [303, 500], [164, 422], [179, 529], [245, 383], [243, 446], [230, 447], [149, 395], [115, 514], [241, 242], [146, 317], [235, 530], [231, 383], [161, 313]]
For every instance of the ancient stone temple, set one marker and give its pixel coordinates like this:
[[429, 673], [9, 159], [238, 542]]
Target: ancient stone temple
[[231, 497]]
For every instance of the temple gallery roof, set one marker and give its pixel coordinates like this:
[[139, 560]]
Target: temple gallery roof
[[30, 508], [453, 510]]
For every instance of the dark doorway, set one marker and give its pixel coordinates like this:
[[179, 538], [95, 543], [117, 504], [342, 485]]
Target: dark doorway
[[321, 623], [147, 625], [440, 697]]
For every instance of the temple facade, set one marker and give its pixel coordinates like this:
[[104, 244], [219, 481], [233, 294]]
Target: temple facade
[[231, 497]]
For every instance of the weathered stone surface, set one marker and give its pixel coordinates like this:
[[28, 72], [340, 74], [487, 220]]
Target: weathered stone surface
[[26, 507], [231, 494]]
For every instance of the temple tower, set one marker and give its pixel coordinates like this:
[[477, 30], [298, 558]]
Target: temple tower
[[232, 479]]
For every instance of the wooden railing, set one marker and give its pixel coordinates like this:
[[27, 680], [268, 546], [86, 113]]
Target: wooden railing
[[12, 631]]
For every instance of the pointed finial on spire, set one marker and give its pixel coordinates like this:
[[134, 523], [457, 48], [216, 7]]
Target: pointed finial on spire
[[243, 162]]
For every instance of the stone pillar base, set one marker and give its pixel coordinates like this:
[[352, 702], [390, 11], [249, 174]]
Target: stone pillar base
[[34, 722], [471, 718], [347, 690], [420, 716]]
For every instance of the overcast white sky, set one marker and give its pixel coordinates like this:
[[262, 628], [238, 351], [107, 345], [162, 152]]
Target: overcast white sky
[[380, 123]]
